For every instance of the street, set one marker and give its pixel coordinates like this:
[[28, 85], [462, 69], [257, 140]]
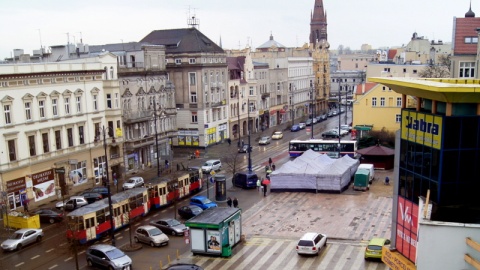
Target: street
[[271, 224]]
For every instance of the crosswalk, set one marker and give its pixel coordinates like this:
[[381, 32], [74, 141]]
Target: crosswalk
[[274, 253]]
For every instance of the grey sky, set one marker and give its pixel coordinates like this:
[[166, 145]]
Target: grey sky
[[27, 24]]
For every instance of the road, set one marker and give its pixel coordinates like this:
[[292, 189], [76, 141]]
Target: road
[[55, 253]]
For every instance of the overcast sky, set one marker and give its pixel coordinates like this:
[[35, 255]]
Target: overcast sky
[[29, 24]]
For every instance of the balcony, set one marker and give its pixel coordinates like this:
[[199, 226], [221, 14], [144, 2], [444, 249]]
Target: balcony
[[265, 95], [138, 116], [219, 103]]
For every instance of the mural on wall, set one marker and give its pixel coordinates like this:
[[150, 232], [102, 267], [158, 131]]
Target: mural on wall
[[43, 185]]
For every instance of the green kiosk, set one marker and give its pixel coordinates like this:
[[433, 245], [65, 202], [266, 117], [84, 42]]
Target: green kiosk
[[215, 231]]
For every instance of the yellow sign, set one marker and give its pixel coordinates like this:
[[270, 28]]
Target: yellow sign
[[425, 129], [395, 260], [212, 172]]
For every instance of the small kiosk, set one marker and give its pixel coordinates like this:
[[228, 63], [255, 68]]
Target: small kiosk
[[215, 231]]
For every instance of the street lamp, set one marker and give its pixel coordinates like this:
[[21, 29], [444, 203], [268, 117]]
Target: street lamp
[[249, 143], [312, 106], [156, 135], [339, 115], [104, 131]]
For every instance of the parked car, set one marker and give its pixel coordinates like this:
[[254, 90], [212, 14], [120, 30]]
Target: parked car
[[189, 211], [264, 140], [107, 256], [22, 238], [308, 122], [346, 127], [334, 112], [318, 118], [311, 243], [244, 148], [295, 128], [342, 110], [202, 202], [170, 226], [212, 165], [330, 134], [277, 135], [302, 125], [374, 248], [330, 114], [49, 215], [73, 203], [343, 132], [92, 197], [324, 116], [101, 190], [133, 182], [184, 266], [150, 235]]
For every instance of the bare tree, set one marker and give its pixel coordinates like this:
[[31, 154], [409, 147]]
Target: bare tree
[[231, 162], [440, 70]]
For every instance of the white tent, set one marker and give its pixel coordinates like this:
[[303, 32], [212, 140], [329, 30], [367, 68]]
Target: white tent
[[314, 171]]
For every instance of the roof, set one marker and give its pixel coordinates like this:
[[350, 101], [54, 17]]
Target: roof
[[213, 216], [376, 150], [271, 43], [117, 47], [439, 89], [465, 27], [184, 40], [235, 63], [391, 54], [368, 86]]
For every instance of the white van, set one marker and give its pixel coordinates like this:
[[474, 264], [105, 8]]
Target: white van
[[370, 168]]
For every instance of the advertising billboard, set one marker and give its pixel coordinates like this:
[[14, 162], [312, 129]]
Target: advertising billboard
[[407, 228], [425, 129]]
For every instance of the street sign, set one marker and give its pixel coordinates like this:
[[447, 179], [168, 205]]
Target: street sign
[[60, 170], [212, 180], [212, 172]]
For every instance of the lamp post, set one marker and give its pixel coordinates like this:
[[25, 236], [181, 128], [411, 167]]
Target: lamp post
[[104, 131], [339, 115], [312, 106], [249, 143], [156, 135], [345, 105]]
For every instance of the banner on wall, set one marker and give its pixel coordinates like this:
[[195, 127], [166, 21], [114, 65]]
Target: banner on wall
[[43, 185]]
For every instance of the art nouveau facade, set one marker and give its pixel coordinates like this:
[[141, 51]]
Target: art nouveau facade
[[54, 122]]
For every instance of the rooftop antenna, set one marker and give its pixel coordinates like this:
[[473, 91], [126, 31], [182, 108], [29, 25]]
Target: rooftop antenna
[[40, 35], [192, 20], [81, 39], [68, 44]]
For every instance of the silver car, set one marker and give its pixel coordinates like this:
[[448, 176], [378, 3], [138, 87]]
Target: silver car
[[264, 140], [109, 257], [170, 226], [150, 235], [73, 203], [22, 238]]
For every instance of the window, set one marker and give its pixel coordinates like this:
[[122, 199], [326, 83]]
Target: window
[[467, 69], [70, 137], [374, 102], [386, 69], [398, 118], [178, 61], [54, 107], [383, 88], [95, 103], [8, 117], [67, 105], [28, 111], [192, 61], [41, 107], [192, 78], [382, 102], [80, 135], [471, 40], [109, 101], [251, 91], [79, 104], [58, 139], [12, 152], [399, 102], [193, 97], [46, 149], [31, 145], [194, 117], [117, 104]]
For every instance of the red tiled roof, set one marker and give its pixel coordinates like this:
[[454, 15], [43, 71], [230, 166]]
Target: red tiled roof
[[368, 86], [391, 54], [376, 150], [465, 27]]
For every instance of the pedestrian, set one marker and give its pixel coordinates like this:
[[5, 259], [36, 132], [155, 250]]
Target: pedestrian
[[273, 166], [238, 144], [258, 184], [229, 142], [387, 181], [104, 181], [270, 162], [197, 153], [166, 163], [229, 202], [264, 190], [25, 205], [243, 143], [235, 202]]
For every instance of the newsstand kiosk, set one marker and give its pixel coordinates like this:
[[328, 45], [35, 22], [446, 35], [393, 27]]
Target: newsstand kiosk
[[215, 231]]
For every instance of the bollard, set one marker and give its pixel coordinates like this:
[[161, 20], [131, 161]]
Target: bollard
[[168, 258], [151, 268], [161, 264], [178, 255]]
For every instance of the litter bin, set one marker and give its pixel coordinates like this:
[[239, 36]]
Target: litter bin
[[226, 251], [220, 188]]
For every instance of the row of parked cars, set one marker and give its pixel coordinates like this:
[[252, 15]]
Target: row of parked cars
[[334, 133]]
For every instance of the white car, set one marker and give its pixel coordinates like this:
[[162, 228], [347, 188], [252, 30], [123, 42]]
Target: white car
[[277, 135], [133, 182], [302, 125], [343, 132], [73, 203], [311, 243], [212, 165]]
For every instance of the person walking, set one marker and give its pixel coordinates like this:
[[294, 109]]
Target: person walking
[[387, 181], [229, 202], [270, 162], [258, 184], [264, 190], [166, 163], [235, 202], [273, 166], [229, 142]]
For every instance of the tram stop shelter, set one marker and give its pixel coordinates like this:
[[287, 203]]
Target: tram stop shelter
[[215, 231]]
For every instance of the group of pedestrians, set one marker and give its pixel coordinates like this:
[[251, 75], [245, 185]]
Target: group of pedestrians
[[234, 202]]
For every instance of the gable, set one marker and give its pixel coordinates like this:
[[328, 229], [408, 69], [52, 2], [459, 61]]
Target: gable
[[465, 27]]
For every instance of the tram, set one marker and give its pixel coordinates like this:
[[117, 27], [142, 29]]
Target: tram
[[92, 221]]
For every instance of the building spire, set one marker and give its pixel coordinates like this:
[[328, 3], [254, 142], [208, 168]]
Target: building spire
[[470, 13], [318, 23]]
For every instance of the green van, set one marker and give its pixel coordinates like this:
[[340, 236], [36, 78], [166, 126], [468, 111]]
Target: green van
[[362, 180]]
